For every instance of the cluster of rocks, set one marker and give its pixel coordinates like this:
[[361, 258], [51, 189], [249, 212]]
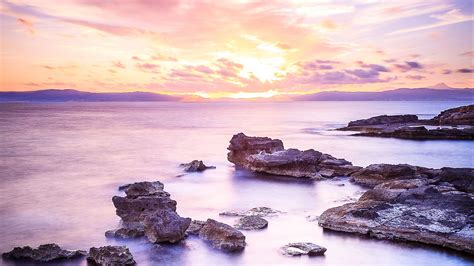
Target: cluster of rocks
[[449, 124], [262, 154]]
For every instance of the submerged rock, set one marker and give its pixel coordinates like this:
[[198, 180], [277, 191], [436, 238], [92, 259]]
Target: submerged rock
[[302, 248], [195, 227], [222, 236], [251, 223], [257, 211], [195, 166], [268, 156], [165, 226], [44, 253], [110, 255], [433, 210]]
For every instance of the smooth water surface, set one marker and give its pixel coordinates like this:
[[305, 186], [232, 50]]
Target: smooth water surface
[[61, 163]]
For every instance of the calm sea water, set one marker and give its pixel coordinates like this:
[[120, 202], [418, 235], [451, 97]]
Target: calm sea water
[[60, 165]]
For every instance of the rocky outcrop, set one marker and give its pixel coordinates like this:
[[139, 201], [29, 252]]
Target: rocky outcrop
[[268, 156], [44, 253], [251, 223], [148, 210], [302, 248], [222, 236], [110, 255], [463, 115], [375, 174], [435, 208], [195, 166], [257, 211], [384, 120], [422, 133], [195, 227]]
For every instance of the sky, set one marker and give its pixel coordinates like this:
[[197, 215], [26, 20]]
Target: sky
[[238, 49]]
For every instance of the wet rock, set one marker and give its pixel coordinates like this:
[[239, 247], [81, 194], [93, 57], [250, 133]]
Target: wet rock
[[195, 227], [148, 210], [257, 211], [463, 115], [195, 166], [384, 120], [375, 174], [165, 226], [222, 236], [302, 248], [421, 133], [251, 223], [110, 255], [268, 156], [427, 210], [44, 253]]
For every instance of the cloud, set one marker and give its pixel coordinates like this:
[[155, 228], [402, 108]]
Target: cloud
[[160, 57], [409, 65], [148, 67], [446, 72], [28, 25], [468, 53], [465, 70], [375, 67], [118, 64], [415, 77]]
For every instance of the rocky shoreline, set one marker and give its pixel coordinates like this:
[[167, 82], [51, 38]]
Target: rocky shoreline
[[452, 124]]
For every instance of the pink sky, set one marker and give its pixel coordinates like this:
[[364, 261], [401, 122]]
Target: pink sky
[[235, 48]]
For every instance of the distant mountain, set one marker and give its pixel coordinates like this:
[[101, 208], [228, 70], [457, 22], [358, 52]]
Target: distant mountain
[[82, 96], [440, 86], [404, 94]]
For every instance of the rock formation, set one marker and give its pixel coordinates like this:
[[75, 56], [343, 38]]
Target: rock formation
[[463, 115], [195, 227], [302, 248], [268, 156], [253, 222], [222, 236], [110, 255], [257, 211], [165, 226], [195, 166], [44, 253]]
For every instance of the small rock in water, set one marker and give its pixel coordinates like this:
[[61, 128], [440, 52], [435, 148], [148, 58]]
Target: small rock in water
[[111, 255], [302, 248], [165, 226], [251, 223], [195, 227], [222, 236], [44, 253], [195, 166], [257, 211]]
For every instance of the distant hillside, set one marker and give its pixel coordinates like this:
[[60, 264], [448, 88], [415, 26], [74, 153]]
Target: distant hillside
[[82, 96], [404, 94]]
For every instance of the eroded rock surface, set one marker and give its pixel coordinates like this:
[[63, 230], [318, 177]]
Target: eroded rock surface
[[433, 209], [268, 156], [257, 211], [110, 255], [302, 248], [165, 226], [195, 166], [195, 227], [43, 253], [463, 115], [375, 174], [222, 236], [251, 223]]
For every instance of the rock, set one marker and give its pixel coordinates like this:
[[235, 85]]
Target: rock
[[241, 146], [222, 236], [165, 226], [195, 227], [257, 211], [463, 115], [148, 210], [268, 156], [384, 120], [375, 174], [251, 223], [195, 166], [432, 210], [421, 133], [302, 248], [110, 255], [44, 253]]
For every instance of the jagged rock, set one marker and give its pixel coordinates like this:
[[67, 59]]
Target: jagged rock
[[463, 115], [195, 166], [257, 211], [302, 248], [384, 120], [44, 253], [375, 174], [110, 255], [222, 236], [148, 210], [165, 226], [251, 223], [195, 227], [433, 210], [268, 156]]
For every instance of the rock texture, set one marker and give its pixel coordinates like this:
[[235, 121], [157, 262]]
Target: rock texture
[[195, 227], [302, 248], [384, 120], [44, 253], [222, 236], [195, 166], [463, 115], [110, 255], [432, 206], [375, 174], [268, 156], [148, 210], [251, 223], [257, 211]]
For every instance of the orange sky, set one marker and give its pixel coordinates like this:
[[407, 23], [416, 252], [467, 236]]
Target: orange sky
[[236, 49]]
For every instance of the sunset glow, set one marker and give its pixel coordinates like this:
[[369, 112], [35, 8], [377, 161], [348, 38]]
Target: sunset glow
[[235, 49]]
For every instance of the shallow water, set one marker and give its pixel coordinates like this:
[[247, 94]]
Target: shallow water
[[61, 163]]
